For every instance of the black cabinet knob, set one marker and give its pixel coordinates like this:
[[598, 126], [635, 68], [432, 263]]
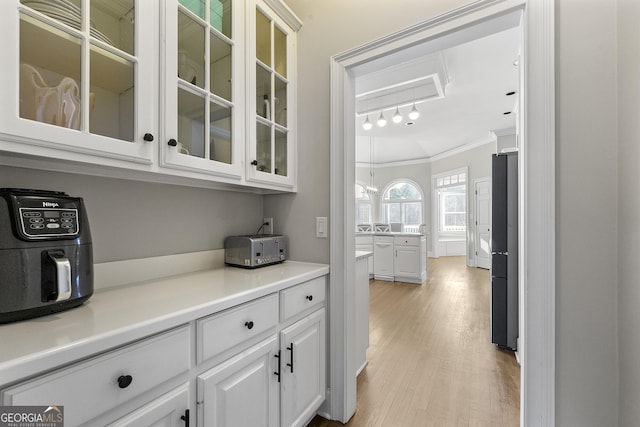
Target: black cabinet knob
[[124, 381], [249, 324], [254, 163], [148, 137], [172, 142], [310, 297]]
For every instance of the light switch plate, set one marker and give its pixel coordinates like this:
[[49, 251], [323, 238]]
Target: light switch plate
[[322, 227]]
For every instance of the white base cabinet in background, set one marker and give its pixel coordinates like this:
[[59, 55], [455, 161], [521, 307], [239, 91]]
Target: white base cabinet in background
[[383, 258], [362, 313]]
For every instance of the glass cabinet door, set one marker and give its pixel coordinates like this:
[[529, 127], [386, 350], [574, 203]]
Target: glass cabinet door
[[271, 132], [201, 129], [84, 67]]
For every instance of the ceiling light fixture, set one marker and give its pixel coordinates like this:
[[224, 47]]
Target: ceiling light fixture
[[367, 124], [381, 120], [414, 113], [397, 117]]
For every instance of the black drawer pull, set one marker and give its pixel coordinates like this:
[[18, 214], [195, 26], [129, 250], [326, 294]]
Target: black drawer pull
[[249, 324], [291, 364], [310, 297], [124, 381], [185, 417], [277, 373]]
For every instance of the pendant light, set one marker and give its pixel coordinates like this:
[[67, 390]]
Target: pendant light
[[367, 124], [414, 113], [381, 120], [397, 117]]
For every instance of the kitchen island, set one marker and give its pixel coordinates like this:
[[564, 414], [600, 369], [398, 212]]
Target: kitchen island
[[396, 256]]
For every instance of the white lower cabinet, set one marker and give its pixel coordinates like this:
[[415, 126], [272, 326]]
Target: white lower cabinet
[[114, 383], [302, 349], [243, 391], [257, 364], [383, 257], [170, 410]]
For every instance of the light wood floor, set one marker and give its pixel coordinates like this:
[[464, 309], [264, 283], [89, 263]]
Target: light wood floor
[[431, 361]]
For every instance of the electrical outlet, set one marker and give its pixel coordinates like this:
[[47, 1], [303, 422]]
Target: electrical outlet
[[268, 229]]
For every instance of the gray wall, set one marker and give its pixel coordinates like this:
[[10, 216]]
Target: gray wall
[[586, 217], [628, 210], [330, 27], [131, 219]]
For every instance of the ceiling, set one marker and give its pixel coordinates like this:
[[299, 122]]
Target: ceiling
[[475, 77]]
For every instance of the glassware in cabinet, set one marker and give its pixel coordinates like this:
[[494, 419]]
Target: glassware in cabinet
[[202, 130], [271, 109], [78, 74]]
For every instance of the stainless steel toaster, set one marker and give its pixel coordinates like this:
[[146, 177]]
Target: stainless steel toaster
[[256, 250]]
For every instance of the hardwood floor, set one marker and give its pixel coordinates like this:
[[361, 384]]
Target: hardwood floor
[[431, 361]]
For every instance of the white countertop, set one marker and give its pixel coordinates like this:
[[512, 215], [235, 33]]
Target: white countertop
[[388, 233], [117, 315], [363, 254]]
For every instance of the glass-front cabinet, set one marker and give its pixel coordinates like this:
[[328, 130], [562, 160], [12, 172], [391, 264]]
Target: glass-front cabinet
[[271, 96], [203, 97], [79, 77]]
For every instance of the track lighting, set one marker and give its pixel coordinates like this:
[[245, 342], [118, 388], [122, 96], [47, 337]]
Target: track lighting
[[414, 113], [397, 117], [367, 124]]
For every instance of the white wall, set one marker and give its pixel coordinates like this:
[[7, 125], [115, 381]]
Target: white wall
[[628, 210], [586, 217], [131, 219], [330, 27]]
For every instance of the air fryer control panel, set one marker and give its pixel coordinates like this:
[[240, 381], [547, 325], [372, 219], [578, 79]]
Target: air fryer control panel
[[41, 222]]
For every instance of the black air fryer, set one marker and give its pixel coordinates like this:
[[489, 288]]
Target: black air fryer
[[46, 256]]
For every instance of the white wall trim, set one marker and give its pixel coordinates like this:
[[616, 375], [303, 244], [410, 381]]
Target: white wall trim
[[537, 178], [453, 152]]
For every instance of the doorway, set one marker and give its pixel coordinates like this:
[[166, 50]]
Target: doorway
[[482, 203], [537, 231]]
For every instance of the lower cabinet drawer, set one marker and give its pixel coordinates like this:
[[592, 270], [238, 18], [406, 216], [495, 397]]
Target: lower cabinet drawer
[[299, 298], [407, 240], [93, 387], [221, 332]]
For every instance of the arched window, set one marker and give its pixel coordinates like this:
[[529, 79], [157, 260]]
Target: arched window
[[363, 206], [402, 203]]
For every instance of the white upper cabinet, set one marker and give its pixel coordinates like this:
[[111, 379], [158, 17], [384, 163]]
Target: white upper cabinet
[[196, 89], [271, 95], [79, 77], [202, 106]]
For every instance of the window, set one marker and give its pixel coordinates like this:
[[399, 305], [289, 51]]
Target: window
[[363, 206], [452, 203], [402, 203]]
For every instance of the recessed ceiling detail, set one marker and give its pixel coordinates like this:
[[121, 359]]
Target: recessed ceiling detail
[[402, 85]]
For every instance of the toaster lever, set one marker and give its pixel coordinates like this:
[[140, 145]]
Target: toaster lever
[[63, 276]]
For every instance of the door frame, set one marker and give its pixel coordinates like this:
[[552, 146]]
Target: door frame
[[475, 216], [536, 182]]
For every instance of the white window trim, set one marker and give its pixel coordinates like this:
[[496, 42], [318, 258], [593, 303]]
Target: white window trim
[[439, 236], [394, 182], [368, 201]]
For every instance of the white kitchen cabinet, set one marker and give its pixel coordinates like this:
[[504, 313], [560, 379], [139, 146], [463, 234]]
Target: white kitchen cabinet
[[242, 391], [202, 102], [383, 258], [105, 385], [410, 258], [362, 313], [170, 410], [160, 89], [80, 81], [365, 243], [271, 93], [303, 354]]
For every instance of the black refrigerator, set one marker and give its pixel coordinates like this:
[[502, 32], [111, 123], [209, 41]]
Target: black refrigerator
[[504, 250]]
